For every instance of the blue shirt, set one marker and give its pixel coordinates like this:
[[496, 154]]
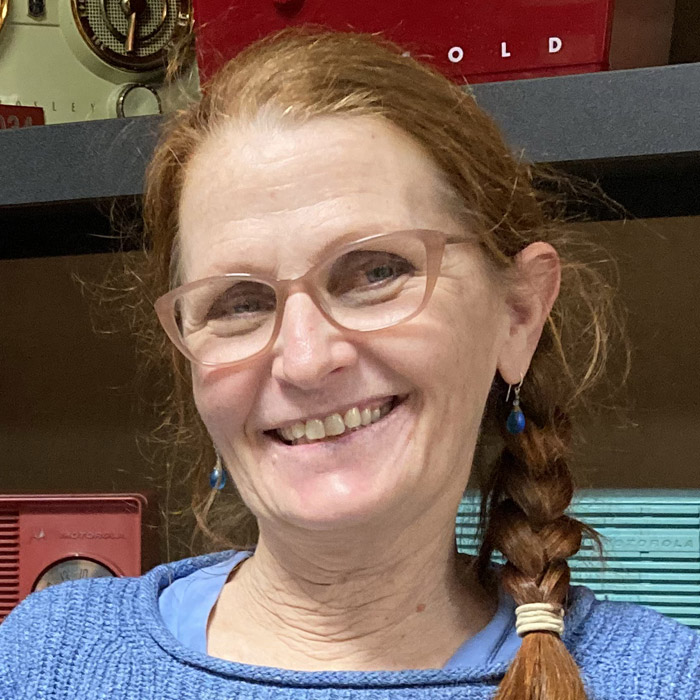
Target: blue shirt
[[186, 603]]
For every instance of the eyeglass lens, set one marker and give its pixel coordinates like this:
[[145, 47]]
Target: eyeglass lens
[[376, 285]]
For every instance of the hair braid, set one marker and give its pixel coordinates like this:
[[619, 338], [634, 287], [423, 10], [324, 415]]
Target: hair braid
[[524, 506]]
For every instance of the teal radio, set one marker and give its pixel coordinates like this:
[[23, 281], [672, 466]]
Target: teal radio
[[651, 547]]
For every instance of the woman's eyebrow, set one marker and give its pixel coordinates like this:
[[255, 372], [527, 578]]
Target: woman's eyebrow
[[271, 268], [348, 236]]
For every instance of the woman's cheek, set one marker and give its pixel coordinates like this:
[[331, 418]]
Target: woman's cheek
[[224, 399]]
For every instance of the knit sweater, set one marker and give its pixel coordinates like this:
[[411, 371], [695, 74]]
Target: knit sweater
[[104, 639]]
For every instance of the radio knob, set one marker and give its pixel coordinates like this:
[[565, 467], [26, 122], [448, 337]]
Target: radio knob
[[137, 100]]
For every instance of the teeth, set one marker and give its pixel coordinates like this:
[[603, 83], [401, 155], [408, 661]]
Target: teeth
[[315, 430], [334, 424], [352, 418]]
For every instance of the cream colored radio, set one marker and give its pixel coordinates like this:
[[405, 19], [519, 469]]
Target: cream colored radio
[[93, 59]]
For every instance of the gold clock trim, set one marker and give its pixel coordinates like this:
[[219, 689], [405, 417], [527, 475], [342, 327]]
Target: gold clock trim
[[134, 64], [3, 12]]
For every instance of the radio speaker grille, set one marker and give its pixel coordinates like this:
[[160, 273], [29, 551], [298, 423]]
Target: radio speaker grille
[[100, 12], [9, 561], [651, 547]]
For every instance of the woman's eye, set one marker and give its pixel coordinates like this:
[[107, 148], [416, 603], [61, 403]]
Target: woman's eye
[[236, 302], [380, 273], [367, 269], [247, 306]]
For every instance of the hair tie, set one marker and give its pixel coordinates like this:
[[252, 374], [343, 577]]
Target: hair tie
[[539, 617]]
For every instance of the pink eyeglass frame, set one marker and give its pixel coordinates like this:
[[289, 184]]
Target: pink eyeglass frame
[[434, 242]]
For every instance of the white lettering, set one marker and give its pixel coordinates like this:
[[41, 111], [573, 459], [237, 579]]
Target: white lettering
[[555, 44], [504, 50]]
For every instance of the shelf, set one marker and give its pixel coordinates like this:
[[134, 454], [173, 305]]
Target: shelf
[[636, 131], [76, 161], [617, 115]]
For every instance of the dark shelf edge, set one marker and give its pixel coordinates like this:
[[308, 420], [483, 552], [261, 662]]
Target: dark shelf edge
[[70, 228], [75, 161], [634, 131], [607, 116]]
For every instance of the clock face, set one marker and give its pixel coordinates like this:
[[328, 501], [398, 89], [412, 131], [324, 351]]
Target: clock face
[[134, 35], [71, 570]]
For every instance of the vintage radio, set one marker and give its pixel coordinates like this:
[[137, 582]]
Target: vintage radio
[[651, 547], [476, 40], [93, 59], [48, 539]]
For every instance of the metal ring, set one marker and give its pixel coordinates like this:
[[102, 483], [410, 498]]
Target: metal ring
[[127, 89]]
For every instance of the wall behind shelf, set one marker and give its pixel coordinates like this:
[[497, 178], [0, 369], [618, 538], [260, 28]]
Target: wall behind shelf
[[69, 416]]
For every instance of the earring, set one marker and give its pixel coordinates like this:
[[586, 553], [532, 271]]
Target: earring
[[516, 420], [217, 477]]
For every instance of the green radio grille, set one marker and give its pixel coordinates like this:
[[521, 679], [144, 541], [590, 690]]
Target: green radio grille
[[651, 547]]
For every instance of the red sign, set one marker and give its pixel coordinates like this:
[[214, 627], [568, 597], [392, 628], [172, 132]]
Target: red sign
[[16, 117], [473, 40]]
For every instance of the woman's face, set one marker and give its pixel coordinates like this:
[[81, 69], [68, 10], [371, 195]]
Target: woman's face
[[269, 198]]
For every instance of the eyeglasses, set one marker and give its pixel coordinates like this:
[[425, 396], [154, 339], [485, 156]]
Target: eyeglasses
[[366, 285]]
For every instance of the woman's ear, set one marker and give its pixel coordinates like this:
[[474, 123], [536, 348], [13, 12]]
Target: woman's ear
[[529, 303]]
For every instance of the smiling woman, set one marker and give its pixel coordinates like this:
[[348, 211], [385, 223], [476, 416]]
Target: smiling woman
[[354, 275]]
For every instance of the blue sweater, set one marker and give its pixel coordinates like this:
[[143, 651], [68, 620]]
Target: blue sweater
[[104, 638]]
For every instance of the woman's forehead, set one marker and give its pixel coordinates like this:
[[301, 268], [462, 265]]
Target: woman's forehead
[[272, 197]]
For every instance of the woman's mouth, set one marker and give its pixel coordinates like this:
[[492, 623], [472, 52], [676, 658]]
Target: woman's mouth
[[335, 425]]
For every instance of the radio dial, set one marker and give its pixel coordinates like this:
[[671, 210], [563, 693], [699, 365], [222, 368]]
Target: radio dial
[[136, 100], [132, 35], [71, 570]]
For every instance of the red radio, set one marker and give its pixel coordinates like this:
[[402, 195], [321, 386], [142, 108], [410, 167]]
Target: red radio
[[473, 40], [48, 539]]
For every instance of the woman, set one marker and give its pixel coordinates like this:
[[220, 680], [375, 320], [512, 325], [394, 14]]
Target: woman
[[357, 277]]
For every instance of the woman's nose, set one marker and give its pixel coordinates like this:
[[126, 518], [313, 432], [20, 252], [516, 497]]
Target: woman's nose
[[308, 347]]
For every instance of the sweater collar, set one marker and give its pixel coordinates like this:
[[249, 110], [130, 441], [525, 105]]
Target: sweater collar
[[151, 583]]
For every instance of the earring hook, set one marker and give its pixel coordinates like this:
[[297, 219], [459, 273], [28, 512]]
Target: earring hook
[[517, 388]]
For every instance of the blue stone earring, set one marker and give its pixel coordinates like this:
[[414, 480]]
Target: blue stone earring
[[217, 478], [516, 420]]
